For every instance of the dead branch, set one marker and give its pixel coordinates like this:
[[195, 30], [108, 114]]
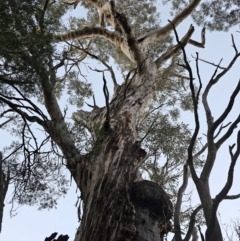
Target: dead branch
[[199, 44]]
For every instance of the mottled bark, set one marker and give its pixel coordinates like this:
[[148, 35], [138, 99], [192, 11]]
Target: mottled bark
[[116, 205]]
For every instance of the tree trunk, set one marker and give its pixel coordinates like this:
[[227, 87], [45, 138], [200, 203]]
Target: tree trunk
[[117, 204], [206, 200]]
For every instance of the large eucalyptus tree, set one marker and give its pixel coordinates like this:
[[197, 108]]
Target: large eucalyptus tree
[[105, 148]]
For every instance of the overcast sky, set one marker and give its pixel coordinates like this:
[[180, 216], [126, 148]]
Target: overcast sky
[[30, 224]]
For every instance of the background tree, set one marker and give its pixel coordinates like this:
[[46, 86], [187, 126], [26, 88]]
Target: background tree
[[106, 149]]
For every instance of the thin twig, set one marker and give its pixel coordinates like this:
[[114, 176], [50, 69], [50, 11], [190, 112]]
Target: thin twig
[[215, 65], [106, 94]]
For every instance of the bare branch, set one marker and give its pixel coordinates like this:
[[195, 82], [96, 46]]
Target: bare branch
[[221, 128], [232, 197], [36, 109], [212, 148], [228, 133], [162, 33], [92, 106], [206, 145], [89, 32], [227, 110], [195, 99], [106, 94], [201, 151], [105, 64], [5, 122], [177, 227], [192, 223], [213, 81], [202, 237], [200, 83], [198, 44], [94, 101], [205, 102], [22, 113], [215, 65], [234, 46], [175, 49]]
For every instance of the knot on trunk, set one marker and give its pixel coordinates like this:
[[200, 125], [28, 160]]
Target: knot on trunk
[[153, 210]]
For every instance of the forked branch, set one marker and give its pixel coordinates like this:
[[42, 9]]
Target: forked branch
[[203, 40], [195, 100], [215, 78], [213, 147], [227, 110]]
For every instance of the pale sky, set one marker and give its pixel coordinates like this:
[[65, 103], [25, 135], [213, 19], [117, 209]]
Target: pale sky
[[30, 224]]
